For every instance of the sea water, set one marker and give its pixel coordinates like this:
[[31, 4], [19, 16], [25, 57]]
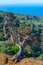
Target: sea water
[[33, 10]]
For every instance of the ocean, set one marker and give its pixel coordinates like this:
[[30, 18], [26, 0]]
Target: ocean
[[31, 10]]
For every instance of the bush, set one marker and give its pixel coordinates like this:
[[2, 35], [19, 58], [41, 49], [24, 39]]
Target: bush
[[3, 49], [36, 49], [27, 51], [41, 56], [13, 50], [1, 34]]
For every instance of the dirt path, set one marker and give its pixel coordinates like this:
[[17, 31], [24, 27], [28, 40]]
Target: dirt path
[[27, 61]]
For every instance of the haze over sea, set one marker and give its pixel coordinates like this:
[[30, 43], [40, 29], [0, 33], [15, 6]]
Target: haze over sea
[[31, 10]]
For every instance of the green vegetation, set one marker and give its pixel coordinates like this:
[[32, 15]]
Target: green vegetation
[[36, 49], [13, 50], [1, 34], [3, 45], [41, 56], [3, 49], [27, 51], [4, 42], [21, 26]]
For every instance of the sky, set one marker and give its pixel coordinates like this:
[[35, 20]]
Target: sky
[[19, 2]]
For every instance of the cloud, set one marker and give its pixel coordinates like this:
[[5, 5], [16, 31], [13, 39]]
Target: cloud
[[14, 2]]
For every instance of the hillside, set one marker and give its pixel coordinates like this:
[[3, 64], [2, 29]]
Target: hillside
[[21, 36]]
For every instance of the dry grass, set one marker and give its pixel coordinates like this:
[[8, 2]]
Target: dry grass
[[25, 61]]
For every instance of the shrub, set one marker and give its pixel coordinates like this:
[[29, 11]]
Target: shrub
[[36, 49], [3, 49], [13, 50], [41, 56], [27, 51]]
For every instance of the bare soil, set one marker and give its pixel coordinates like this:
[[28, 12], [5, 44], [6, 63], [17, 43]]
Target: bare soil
[[25, 61]]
